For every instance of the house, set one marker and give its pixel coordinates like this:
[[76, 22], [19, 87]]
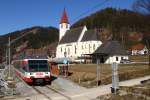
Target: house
[[73, 43], [139, 49], [110, 52]]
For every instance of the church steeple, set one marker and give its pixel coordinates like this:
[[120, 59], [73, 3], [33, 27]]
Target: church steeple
[[64, 18], [63, 25]]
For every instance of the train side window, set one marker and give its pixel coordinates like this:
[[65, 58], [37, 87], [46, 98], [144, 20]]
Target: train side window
[[24, 68]]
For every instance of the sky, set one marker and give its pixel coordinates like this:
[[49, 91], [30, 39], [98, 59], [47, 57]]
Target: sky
[[20, 14]]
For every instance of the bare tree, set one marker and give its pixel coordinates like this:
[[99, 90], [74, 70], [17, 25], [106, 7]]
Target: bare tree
[[142, 6]]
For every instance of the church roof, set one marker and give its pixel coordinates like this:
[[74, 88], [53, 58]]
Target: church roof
[[90, 35], [64, 18], [71, 35], [111, 48]]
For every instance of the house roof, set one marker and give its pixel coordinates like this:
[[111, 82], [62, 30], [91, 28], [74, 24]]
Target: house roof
[[90, 35], [64, 18], [138, 47], [111, 48], [71, 35]]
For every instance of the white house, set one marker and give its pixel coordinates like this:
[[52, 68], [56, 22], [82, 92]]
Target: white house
[[139, 49], [75, 42], [110, 52]]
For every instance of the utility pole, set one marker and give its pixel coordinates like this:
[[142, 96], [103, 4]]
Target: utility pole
[[115, 78], [98, 71], [6, 56], [9, 56], [9, 51]]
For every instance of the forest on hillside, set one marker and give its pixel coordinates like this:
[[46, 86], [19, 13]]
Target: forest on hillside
[[128, 27], [33, 38]]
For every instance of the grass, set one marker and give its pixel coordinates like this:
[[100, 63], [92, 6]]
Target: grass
[[137, 92], [85, 74], [139, 58]]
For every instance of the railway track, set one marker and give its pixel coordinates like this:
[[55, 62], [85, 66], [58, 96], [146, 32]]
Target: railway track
[[51, 93], [41, 92], [58, 92]]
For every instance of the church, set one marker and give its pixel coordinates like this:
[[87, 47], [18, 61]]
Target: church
[[75, 42]]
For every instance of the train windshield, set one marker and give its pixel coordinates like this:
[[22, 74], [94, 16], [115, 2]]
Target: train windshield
[[38, 66]]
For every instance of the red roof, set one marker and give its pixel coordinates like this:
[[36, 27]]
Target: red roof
[[138, 47], [64, 18]]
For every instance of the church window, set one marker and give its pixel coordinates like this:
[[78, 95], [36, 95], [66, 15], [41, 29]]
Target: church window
[[75, 49], [61, 49], [89, 48], [65, 54], [94, 47], [121, 58], [82, 47], [116, 58], [68, 51]]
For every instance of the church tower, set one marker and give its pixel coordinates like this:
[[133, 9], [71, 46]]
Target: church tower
[[64, 25]]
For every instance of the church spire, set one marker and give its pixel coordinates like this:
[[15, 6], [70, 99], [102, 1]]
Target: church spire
[[63, 25], [64, 18]]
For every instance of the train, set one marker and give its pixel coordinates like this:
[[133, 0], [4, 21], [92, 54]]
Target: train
[[35, 70]]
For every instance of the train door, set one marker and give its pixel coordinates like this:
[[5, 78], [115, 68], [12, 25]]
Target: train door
[[54, 69]]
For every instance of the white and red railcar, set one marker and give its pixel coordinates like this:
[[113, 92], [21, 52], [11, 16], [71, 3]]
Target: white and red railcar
[[33, 70]]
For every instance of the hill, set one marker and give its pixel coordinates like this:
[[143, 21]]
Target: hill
[[33, 38], [122, 23]]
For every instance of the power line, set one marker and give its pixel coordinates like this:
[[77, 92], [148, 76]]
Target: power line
[[91, 9]]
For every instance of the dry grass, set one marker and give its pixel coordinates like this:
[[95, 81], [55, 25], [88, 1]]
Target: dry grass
[[85, 74], [138, 92], [140, 58]]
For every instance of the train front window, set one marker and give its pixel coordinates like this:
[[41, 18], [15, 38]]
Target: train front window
[[38, 66]]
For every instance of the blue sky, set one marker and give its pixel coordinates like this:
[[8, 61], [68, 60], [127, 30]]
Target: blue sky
[[19, 14]]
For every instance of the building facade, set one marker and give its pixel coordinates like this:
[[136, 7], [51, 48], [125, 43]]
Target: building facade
[[73, 43]]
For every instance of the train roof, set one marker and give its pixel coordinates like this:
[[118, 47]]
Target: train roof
[[33, 57]]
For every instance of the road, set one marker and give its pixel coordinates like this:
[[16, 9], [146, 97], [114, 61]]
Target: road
[[105, 89], [86, 94]]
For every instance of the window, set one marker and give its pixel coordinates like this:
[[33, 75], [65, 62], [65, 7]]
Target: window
[[61, 49], [121, 58], [61, 25], [65, 54], [94, 47], [75, 51], [82, 47], [38, 65], [24, 68], [116, 58], [66, 25], [85, 46], [68, 51], [89, 48]]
